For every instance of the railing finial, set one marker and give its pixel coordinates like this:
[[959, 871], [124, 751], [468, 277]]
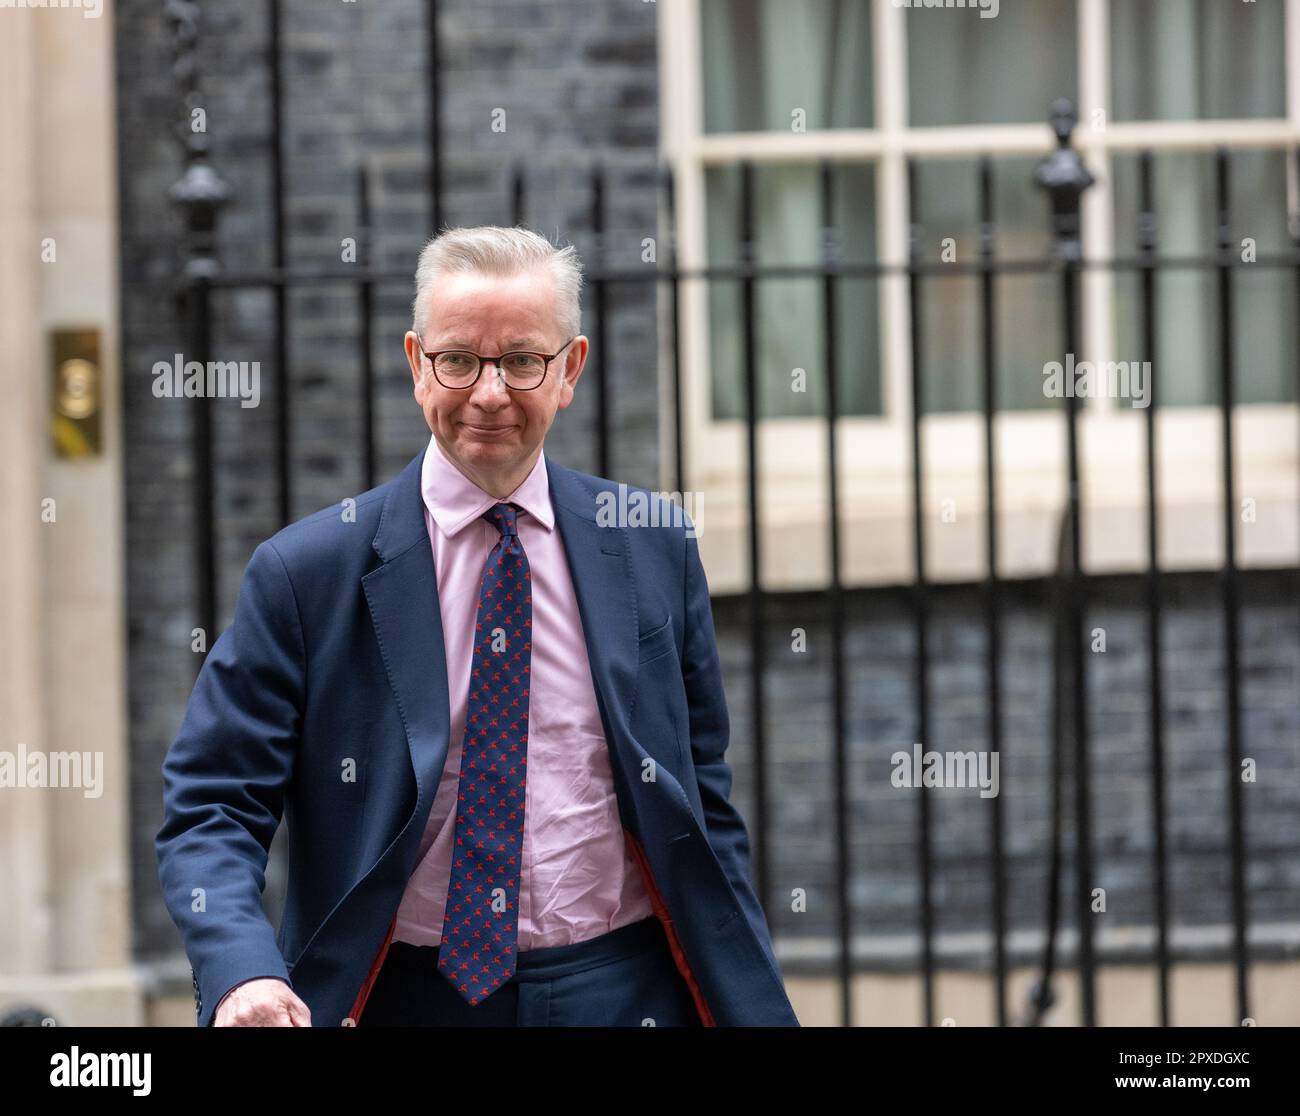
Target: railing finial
[[200, 191], [1065, 177]]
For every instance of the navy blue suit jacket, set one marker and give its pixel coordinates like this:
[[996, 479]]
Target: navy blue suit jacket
[[335, 654]]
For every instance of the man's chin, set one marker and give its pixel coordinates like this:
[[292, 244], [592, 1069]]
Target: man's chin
[[495, 449], [488, 453]]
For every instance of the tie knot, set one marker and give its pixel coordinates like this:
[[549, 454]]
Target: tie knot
[[502, 517]]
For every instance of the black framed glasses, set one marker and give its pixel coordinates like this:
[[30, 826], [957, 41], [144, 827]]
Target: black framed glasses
[[523, 369]]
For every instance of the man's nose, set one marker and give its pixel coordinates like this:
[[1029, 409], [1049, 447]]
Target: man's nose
[[491, 382]]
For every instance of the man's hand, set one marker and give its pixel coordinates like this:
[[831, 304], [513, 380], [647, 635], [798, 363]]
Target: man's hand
[[264, 1002]]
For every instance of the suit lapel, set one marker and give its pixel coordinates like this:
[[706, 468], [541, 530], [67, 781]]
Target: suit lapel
[[600, 561], [601, 568], [403, 598]]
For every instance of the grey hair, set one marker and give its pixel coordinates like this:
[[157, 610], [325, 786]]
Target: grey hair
[[496, 250]]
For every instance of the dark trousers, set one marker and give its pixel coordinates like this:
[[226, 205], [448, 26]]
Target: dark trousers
[[625, 978]]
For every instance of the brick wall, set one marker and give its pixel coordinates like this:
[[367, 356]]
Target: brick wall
[[880, 642]]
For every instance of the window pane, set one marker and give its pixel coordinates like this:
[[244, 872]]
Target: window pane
[[1197, 60], [770, 64], [1187, 302], [1027, 321], [788, 312], [964, 69]]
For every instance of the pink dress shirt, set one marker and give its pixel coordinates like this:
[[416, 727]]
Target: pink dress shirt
[[578, 879]]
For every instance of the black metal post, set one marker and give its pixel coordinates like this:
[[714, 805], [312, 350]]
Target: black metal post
[[920, 590], [747, 252], [433, 68], [280, 295], [1150, 345], [835, 600], [992, 592], [199, 193], [1296, 245], [1231, 608], [675, 297], [366, 310], [518, 195], [598, 365], [1064, 176]]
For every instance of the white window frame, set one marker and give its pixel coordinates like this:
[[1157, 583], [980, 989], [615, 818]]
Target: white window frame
[[875, 452]]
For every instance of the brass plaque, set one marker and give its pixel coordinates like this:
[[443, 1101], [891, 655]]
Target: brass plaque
[[76, 393]]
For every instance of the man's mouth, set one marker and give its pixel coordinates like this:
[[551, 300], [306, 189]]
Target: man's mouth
[[492, 431]]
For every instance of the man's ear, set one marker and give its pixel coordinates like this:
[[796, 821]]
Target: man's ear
[[564, 368], [412, 346]]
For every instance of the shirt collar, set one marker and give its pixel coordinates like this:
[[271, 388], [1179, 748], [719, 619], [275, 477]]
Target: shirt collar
[[454, 500]]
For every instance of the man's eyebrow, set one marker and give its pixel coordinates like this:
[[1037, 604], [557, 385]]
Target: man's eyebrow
[[513, 343]]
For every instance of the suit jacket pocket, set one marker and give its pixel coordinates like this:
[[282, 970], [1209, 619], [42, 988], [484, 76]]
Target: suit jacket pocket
[[656, 642]]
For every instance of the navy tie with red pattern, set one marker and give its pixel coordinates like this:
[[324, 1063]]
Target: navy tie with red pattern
[[481, 926]]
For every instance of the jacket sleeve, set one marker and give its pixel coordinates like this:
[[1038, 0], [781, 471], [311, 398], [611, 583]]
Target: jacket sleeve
[[710, 733], [224, 781]]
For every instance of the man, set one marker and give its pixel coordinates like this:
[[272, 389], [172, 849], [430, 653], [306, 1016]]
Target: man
[[494, 721]]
